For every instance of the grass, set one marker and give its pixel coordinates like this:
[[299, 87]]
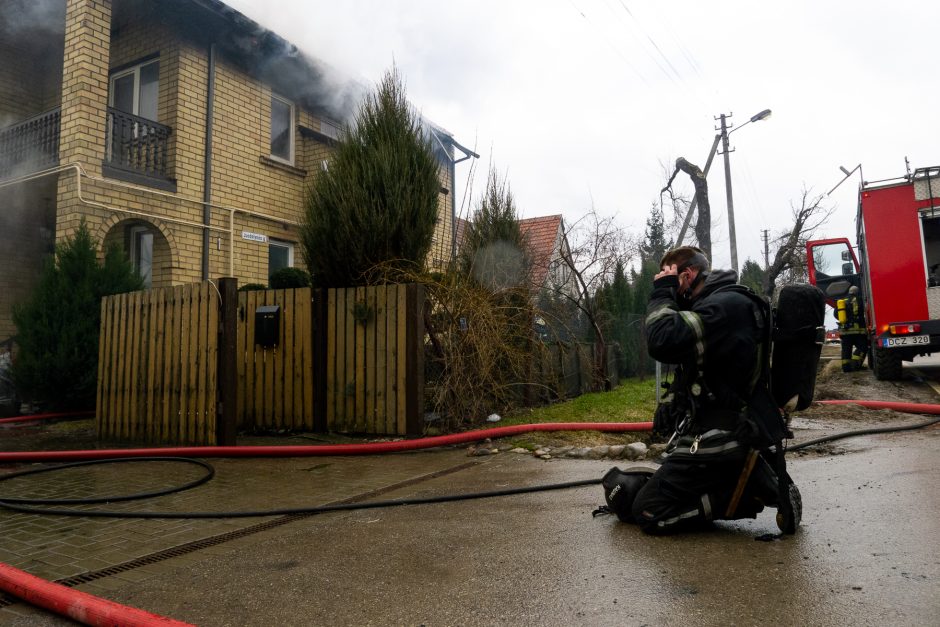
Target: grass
[[632, 401]]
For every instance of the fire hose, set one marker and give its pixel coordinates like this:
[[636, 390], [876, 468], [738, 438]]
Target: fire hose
[[95, 611]]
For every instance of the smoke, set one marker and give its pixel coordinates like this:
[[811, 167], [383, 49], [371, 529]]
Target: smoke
[[499, 266], [31, 19], [316, 84]]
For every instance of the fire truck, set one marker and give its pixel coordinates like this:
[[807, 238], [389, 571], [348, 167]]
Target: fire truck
[[896, 268]]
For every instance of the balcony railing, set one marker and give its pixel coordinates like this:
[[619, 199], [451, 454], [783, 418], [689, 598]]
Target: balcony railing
[[136, 144], [30, 146]]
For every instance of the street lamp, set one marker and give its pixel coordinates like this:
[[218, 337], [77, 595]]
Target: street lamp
[[763, 115]]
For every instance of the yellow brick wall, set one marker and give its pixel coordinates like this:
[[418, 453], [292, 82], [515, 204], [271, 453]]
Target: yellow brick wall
[[443, 241], [243, 177], [84, 98]]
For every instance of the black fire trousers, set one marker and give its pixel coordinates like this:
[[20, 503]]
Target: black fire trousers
[[683, 495], [854, 350]]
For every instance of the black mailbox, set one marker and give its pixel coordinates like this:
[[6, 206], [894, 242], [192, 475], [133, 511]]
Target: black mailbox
[[267, 325]]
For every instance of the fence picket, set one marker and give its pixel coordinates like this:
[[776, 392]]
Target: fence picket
[[284, 403], [381, 358]]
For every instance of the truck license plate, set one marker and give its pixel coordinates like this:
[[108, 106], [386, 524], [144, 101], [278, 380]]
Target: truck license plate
[[907, 340]]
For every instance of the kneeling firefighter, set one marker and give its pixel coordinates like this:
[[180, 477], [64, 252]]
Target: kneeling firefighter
[[726, 457]]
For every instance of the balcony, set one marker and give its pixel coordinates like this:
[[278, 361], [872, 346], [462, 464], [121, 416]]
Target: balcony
[[136, 150], [30, 146]]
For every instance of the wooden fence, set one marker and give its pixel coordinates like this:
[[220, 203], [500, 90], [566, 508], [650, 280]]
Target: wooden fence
[[275, 385], [181, 365], [157, 365], [375, 359]]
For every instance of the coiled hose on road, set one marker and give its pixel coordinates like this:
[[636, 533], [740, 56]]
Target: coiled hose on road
[[95, 611]]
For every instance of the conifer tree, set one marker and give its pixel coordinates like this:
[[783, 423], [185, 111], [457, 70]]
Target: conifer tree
[[376, 204], [493, 251], [57, 328]]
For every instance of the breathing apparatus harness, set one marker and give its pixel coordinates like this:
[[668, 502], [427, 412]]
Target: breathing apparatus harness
[[677, 412]]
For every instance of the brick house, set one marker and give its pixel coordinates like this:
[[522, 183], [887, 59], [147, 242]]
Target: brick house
[[180, 130]]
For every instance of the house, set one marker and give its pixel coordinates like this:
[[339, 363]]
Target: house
[[180, 130], [546, 247]]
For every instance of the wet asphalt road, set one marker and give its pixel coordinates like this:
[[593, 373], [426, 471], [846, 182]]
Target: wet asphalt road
[[868, 553]]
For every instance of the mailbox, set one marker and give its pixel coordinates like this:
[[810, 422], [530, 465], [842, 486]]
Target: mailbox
[[267, 325]]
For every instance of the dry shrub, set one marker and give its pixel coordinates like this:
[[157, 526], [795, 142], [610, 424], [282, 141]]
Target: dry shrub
[[481, 350]]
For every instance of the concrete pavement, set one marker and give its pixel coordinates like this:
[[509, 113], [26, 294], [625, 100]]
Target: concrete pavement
[[866, 554]]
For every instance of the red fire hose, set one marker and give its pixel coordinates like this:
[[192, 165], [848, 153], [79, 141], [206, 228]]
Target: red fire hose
[[909, 408], [68, 414], [80, 606], [372, 448], [92, 610]]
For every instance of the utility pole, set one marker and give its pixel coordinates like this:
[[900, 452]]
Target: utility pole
[[731, 233], [766, 250]]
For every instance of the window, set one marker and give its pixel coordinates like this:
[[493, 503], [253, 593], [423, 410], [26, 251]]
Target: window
[[280, 255], [282, 130], [141, 253], [135, 90]]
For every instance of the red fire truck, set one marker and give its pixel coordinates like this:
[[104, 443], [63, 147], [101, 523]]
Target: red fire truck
[[897, 268]]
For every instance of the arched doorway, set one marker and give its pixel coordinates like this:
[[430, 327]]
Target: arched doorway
[[146, 248]]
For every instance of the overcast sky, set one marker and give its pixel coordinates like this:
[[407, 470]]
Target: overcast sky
[[579, 102]]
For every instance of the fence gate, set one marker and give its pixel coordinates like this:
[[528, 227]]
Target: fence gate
[[157, 365], [375, 359], [276, 384]]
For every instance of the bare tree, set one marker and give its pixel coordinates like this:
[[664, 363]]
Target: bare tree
[[789, 264], [703, 222], [591, 249]]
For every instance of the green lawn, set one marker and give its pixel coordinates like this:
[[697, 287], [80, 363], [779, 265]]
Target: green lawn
[[632, 401]]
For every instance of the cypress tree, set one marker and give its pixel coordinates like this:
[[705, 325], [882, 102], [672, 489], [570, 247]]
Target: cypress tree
[[57, 328], [376, 204]]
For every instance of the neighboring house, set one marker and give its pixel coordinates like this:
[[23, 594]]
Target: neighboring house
[[546, 246], [179, 130]]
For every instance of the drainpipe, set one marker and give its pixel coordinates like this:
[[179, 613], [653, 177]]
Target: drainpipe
[[207, 170]]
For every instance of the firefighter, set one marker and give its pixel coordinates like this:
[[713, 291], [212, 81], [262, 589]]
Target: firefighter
[[701, 321], [853, 333]]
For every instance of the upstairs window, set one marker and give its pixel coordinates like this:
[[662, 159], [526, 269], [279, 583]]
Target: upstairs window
[[134, 90], [282, 130]]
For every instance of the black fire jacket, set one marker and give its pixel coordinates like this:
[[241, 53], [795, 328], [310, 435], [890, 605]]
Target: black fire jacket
[[716, 344]]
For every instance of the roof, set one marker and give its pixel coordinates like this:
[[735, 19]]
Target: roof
[[541, 235]]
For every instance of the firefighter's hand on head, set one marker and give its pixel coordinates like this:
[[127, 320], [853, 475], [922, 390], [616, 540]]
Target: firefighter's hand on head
[[668, 277], [668, 270]]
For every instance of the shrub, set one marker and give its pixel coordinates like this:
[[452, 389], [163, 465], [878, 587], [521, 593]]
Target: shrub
[[58, 326], [287, 278], [252, 287]]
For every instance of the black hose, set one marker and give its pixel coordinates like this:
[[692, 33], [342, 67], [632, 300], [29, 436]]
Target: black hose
[[5, 502], [849, 434], [19, 504], [210, 472]]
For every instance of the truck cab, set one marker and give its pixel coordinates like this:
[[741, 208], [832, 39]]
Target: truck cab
[[896, 268]]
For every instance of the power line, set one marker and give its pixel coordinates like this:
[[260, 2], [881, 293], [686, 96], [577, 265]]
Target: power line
[[650, 38], [609, 43]]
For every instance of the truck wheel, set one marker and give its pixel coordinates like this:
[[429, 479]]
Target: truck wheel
[[886, 364]]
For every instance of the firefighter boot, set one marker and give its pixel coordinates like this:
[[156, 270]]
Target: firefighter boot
[[790, 513]]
